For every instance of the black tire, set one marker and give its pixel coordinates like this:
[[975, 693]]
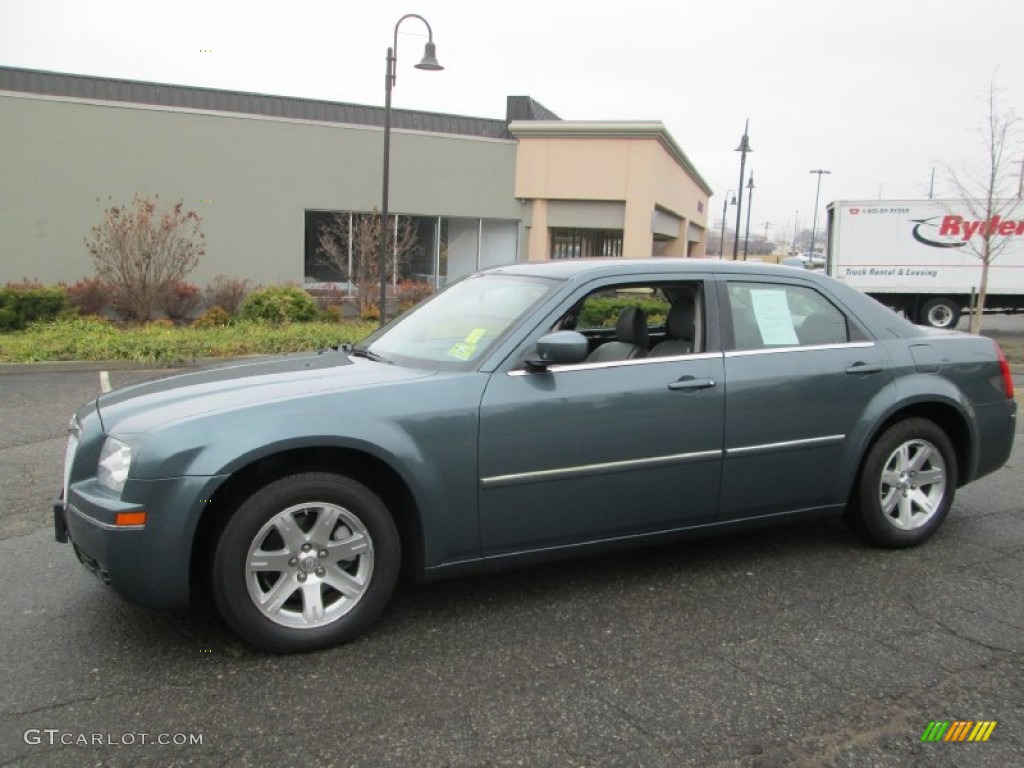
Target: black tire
[[911, 471], [307, 562], [940, 313]]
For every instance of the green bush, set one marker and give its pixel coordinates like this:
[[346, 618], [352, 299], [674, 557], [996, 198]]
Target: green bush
[[94, 339], [279, 304], [24, 303], [602, 313], [332, 314]]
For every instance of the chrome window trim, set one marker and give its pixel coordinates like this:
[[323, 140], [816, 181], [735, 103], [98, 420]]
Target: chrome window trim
[[746, 449], [617, 363], [801, 348], [498, 481]]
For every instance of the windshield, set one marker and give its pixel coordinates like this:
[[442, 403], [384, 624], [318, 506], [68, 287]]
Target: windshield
[[457, 327]]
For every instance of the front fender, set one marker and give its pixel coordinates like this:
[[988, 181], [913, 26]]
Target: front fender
[[426, 431]]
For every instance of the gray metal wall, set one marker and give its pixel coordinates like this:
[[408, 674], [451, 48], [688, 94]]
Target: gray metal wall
[[258, 174]]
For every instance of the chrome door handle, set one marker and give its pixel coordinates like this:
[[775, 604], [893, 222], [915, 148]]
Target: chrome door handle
[[864, 368], [689, 383]]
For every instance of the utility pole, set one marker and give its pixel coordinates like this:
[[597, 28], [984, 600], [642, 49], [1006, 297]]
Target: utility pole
[[814, 215]]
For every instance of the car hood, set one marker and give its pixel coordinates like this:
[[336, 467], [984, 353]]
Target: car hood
[[137, 408]]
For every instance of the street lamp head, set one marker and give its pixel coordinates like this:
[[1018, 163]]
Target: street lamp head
[[750, 183], [429, 59], [745, 140]]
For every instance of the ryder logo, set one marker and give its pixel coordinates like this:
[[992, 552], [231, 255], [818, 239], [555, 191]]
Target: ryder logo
[[955, 231]]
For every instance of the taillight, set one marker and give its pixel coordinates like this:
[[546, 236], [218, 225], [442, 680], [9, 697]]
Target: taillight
[[1005, 368]]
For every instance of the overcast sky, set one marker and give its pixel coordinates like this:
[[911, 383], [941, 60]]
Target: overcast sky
[[880, 92]]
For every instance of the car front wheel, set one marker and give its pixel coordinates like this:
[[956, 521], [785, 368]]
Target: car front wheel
[[306, 562], [906, 485]]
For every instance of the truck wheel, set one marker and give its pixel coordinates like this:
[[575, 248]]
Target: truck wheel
[[906, 485], [306, 562], [940, 313]]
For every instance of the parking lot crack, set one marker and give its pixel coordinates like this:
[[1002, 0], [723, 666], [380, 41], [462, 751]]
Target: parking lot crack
[[960, 635], [52, 707]]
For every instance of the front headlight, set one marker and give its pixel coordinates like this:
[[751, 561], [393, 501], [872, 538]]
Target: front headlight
[[115, 459]]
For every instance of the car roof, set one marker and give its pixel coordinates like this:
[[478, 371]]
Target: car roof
[[566, 269]]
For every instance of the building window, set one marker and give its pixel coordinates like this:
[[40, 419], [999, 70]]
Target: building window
[[433, 249], [570, 243]]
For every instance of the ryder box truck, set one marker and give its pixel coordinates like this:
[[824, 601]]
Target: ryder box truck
[[920, 257]]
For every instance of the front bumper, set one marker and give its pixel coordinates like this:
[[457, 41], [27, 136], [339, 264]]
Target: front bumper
[[147, 564]]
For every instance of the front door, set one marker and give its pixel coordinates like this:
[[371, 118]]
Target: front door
[[602, 450]]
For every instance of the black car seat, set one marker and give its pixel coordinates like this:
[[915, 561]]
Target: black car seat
[[630, 338], [822, 329], [680, 327]]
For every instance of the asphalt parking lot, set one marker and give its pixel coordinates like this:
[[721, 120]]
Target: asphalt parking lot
[[796, 646]]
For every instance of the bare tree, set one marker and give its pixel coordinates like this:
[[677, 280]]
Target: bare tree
[[336, 237], [987, 191], [141, 249]]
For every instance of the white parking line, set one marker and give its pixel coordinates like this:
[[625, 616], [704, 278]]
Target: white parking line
[[104, 382]]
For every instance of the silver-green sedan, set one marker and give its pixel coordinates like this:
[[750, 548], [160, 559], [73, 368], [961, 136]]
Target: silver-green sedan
[[528, 412]]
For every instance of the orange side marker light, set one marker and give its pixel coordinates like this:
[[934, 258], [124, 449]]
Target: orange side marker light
[[130, 518]]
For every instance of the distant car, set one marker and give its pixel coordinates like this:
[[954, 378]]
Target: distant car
[[813, 260], [794, 261], [528, 412]]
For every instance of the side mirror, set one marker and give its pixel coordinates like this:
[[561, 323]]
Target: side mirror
[[559, 348]]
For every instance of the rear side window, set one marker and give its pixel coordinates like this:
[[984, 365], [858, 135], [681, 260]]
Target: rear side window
[[766, 315]]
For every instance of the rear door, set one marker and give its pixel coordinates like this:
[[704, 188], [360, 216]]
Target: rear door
[[802, 375]]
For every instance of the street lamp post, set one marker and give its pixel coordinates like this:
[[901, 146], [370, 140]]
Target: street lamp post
[[814, 214], [796, 223], [743, 148], [725, 203], [750, 200], [429, 62]]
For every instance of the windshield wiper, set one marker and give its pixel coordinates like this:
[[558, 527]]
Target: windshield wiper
[[363, 352]]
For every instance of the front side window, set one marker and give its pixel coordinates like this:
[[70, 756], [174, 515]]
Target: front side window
[[766, 315], [627, 322]]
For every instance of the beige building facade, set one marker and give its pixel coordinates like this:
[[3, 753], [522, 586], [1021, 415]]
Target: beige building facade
[[628, 181]]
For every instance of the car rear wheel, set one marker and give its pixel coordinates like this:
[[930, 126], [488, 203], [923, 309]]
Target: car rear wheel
[[306, 562], [906, 484]]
